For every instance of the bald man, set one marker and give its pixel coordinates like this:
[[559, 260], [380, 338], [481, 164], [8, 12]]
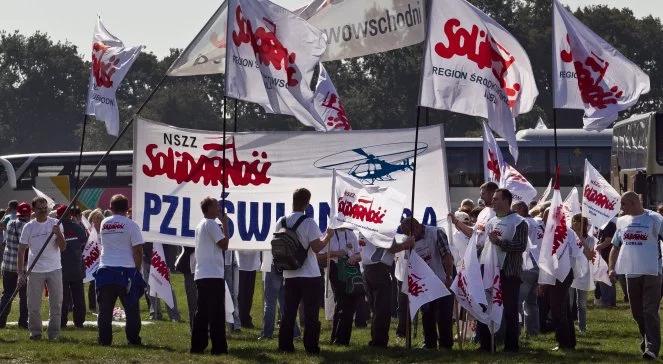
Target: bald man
[[636, 253]]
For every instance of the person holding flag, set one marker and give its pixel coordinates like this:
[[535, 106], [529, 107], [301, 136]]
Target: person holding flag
[[582, 282], [486, 191], [637, 254], [432, 245], [507, 233], [72, 267]]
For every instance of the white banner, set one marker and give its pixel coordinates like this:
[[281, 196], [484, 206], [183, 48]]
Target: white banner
[[159, 280], [91, 253], [590, 74], [472, 65], [357, 28], [492, 282], [174, 169], [556, 240], [601, 202], [423, 285], [468, 284], [518, 185], [111, 61], [374, 211], [272, 58], [493, 163]]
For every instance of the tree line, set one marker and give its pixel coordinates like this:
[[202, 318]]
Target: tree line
[[43, 84]]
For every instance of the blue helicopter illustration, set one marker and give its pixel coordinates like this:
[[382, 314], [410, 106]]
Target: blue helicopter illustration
[[373, 163]]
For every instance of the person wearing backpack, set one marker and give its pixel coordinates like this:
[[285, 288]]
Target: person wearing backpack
[[346, 281], [294, 249]]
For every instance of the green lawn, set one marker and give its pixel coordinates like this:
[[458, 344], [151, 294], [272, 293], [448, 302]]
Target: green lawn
[[611, 337]]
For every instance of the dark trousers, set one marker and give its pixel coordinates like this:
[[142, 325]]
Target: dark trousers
[[9, 281], [378, 286], [510, 324], [210, 317], [644, 293], [92, 296], [437, 322], [363, 312], [247, 283], [106, 298], [346, 305], [307, 291], [73, 295], [402, 311], [560, 310]]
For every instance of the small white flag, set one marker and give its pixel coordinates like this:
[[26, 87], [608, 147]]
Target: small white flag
[[111, 61], [571, 205], [159, 280], [546, 193], [423, 285], [601, 202], [328, 104], [540, 125], [49, 201], [468, 284], [517, 184], [556, 240], [91, 253], [493, 163]]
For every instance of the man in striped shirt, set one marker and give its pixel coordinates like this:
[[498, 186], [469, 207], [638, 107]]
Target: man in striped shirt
[[9, 266]]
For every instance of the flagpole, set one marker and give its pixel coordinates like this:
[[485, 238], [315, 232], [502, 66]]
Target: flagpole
[[492, 337], [235, 117], [78, 192], [555, 135], [333, 209], [408, 327], [458, 328], [224, 175], [80, 155]]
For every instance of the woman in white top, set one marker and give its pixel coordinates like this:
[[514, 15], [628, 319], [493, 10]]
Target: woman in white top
[[582, 280]]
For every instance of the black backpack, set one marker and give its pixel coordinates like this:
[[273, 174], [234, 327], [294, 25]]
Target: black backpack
[[287, 250]]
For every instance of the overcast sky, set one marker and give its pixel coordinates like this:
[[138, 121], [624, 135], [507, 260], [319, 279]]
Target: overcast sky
[[161, 25]]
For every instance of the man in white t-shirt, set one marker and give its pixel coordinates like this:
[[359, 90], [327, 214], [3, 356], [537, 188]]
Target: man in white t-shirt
[[636, 253], [209, 319], [119, 275], [46, 270], [303, 284]]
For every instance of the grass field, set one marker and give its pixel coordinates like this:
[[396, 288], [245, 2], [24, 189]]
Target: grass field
[[611, 337]]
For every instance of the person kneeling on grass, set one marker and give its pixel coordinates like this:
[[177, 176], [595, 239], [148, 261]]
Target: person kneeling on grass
[[119, 275], [209, 319]]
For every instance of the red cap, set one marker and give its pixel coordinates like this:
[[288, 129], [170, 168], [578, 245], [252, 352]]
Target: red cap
[[60, 210], [24, 209]]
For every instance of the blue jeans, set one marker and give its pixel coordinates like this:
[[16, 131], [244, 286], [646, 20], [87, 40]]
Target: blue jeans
[[273, 291], [608, 295], [528, 304]]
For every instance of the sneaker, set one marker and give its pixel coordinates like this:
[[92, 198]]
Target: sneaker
[[35, 337], [648, 355]]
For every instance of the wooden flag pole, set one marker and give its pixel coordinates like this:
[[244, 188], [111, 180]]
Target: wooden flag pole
[[408, 327]]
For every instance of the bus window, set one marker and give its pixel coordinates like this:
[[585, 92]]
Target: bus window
[[531, 163], [572, 163], [464, 167], [658, 129]]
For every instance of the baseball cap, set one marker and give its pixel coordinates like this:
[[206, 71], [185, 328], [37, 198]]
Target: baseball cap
[[59, 211], [462, 217], [24, 209]]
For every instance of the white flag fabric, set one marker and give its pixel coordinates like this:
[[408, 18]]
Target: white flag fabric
[[230, 308], [493, 163], [358, 28], [111, 61], [374, 211], [423, 285], [546, 193], [571, 205], [271, 58], [599, 269], [207, 52], [540, 125], [328, 104], [49, 201], [468, 284], [472, 65], [159, 280], [556, 240], [91, 253], [517, 184], [601, 202], [590, 74], [492, 282]]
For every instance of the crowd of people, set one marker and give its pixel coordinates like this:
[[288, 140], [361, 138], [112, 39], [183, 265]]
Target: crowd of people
[[366, 280]]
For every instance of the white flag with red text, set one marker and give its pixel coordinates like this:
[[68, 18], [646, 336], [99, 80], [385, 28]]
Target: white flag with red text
[[571, 205], [590, 74], [492, 282], [111, 61], [91, 252], [601, 202], [468, 284], [159, 280], [328, 104], [271, 58], [423, 285], [472, 65], [493, 163], [556, 240], [517, 184], [373, 211]]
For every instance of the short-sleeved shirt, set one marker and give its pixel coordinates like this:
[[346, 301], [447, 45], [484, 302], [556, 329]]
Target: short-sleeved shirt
[[13, 235], [371, 254], [72, 256], [432, 247], [34, 235], [307, 232], [119, 235], [209, 256], [345, 240], [638, 239], [248, 261]]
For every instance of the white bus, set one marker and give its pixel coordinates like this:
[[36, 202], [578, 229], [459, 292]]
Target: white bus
[[637, 157], [55, 173]]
